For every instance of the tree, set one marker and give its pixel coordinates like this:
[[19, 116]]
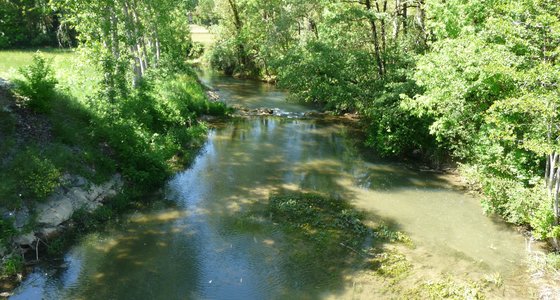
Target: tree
[[130, 35]]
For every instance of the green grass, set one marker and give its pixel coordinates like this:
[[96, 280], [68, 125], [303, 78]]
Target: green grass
[[201, 35], [12, 60], [74, 73]]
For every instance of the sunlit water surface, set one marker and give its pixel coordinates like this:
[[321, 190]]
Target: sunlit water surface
[[213, 245]]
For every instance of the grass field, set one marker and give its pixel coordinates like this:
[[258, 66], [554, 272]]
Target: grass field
[[12, 60], [77, 77], [201, 35]]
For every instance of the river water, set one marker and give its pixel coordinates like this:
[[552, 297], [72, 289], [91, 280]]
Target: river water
[[213, 244]]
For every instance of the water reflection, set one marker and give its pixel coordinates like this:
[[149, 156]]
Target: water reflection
[[216, 243]]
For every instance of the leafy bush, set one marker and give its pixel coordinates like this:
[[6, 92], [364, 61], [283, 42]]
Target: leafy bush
[[38, 85], [12, 264], [222, 56], [516, 202], [154, 125], [38, 177], [197, 50], [7, 231]]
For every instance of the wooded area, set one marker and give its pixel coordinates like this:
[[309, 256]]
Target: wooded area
[[471, 81], [476, 81], [113, 97]]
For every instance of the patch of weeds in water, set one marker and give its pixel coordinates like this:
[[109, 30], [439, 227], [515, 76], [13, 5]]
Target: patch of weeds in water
[[58, 245], [324, 220], [448, 288], [383, 232], [495, 278], [391, 264], [553, 261], [323, 237]]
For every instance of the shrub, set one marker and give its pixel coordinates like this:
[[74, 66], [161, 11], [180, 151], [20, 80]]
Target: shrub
[[7, 231], [197, 50], [38, 177], [12, 264], [516, 202], [222, 57], [38, 86]]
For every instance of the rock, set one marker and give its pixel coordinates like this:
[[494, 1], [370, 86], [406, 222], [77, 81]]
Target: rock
[[26, 239], [79, 197], [54, 213], [95, 192], [21, 218], [5, 84], [47, 232], [73, 181], [6, 214], [60, 206], [80, 181], [208, 118]]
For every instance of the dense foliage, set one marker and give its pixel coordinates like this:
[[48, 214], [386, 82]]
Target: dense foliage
[[474, 80], [32, 23]]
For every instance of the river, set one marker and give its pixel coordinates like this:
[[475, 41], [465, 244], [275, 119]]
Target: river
[[212, 243]]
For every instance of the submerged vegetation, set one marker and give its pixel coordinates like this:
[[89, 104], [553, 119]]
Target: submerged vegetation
[[313, 214], [331, 232]]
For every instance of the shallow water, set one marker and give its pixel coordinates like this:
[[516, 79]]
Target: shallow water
[[214, 243]]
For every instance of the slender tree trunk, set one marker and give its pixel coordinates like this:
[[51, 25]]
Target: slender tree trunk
[[382, 9], [313, 28], [552, 179], [421, 18], [139, 39], [157, 46], [396, 19], [138, 71], [375, 39], [115, 34], [553, 158], [405, 17], [556, 198], [242, 55]]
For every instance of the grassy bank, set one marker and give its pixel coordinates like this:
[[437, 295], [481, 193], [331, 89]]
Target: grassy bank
[[54, 122]]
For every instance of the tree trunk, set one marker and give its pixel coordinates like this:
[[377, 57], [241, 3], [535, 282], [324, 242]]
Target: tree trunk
[[556, 191], [396, 19], [375, 38], [383, 10], [132, 44], [552, 179], [139, 39], [405, 17], [241, 53], [421, 19], [115, 34]]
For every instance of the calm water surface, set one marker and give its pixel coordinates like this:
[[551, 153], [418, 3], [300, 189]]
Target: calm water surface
[[213, 244]]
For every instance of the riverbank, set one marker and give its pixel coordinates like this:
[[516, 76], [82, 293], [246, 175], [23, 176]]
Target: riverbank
[[83, 161]]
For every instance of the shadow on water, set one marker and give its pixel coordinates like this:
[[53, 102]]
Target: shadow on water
[[260, 158], [241, 228]]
